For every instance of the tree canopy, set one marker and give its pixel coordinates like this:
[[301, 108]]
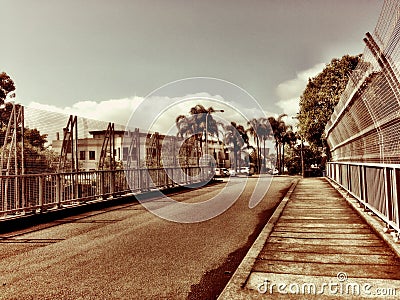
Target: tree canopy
[[6, 87], [321, 95]]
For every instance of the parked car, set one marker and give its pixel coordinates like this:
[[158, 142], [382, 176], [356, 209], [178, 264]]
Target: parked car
[[246, 171], [225, 171], [219, 172], [273, 172], [232, 172]]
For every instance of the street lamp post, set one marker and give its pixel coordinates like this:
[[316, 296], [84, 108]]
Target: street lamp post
[[301, 151], [206, 139], [302, 157]]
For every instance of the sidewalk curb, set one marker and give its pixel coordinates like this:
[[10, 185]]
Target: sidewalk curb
[[375, 223], [239, 278]]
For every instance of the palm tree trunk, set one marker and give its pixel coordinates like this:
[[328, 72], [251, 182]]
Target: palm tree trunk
[[235, 158], [277, 156], [257, 157], [265, 162], [283, 157]]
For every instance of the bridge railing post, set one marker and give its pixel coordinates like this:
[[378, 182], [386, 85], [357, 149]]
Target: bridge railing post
[[102, 185], [58, 190], [112, 182], [40, 192], [388, 192]]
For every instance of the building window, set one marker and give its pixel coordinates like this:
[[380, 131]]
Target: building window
[[82, 155], [92, 155]]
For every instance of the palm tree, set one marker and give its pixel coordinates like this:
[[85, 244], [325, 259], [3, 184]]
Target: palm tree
[[278, 128], [200, 116], [265, 133], [194, 126], [236, 136], [256, 129], [186, 130], [288, 138]]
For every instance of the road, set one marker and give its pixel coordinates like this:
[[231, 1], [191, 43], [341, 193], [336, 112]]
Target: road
[[127, 252]]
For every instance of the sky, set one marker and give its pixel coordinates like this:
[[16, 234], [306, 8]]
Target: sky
[[100, 59]]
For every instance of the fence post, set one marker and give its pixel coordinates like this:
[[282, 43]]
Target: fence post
[[102, 185], [348, 178], [387, 185], [58, 190], [40, 193], [23, 201], [140, 180], [396, 202], [365, 184], [112, 183], [360, 179]]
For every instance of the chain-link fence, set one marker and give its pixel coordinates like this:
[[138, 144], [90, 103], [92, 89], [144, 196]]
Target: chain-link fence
[[50, 159], [365, 125], [364, 131]]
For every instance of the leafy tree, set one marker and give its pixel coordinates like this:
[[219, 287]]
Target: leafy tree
[[311, 156], [34, 138], [6, 87], [37, 158], [321, 95]]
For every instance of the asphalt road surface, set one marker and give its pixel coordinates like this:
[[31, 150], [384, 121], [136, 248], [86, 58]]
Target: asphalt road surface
[[127, 252]]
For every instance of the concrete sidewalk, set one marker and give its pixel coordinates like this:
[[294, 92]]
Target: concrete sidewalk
[[316, 245]]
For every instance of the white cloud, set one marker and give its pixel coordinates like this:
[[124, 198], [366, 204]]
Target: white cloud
[[289, 91], [155, 113], [113, 110]]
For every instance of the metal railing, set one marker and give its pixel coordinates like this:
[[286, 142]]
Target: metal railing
[[375, 186], [20, 194]]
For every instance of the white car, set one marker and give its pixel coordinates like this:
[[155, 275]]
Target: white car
[[232, 172], [273, 172], [245, 171], [219, 172]]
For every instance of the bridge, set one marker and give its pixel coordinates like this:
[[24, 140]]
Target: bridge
[[342, 230], [326, 238]]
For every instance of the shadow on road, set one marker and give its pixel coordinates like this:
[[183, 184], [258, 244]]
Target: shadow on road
[[214, 281]]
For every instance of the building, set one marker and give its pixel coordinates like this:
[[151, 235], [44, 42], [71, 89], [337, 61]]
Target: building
[[138, 149]]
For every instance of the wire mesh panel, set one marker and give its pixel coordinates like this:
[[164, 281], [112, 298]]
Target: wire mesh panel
[[375, 188], [354, 174]]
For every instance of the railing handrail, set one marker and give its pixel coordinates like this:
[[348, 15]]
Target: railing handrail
[[378, 165], [374, 185], [32, 192]]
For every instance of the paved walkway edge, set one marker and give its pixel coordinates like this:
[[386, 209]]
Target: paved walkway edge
[[373, 221], [242, 273]]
